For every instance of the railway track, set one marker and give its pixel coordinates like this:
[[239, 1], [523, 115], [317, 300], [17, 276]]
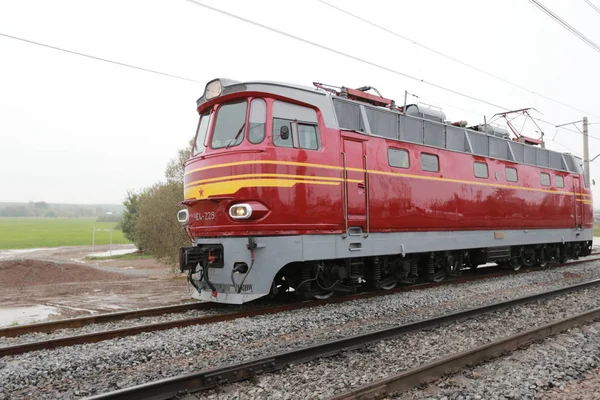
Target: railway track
[[203, 380], [95, 337], [78, 322]]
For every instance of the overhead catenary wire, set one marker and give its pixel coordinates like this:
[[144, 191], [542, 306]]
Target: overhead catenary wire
[[341, 53], [99, 58], [281, 33], [359, 59], [593, 6], [566, 25], [454, 59]]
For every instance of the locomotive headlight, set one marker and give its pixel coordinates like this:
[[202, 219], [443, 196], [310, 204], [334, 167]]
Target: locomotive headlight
[[183, 216], [213, 89], [240, 211]]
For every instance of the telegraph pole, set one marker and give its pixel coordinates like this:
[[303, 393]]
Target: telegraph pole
[[586, 153]]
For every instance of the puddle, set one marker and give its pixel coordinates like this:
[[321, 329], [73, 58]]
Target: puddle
[[8, 254], [12, 316], [113, 253]]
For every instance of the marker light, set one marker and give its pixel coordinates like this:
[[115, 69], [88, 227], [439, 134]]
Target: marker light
[[240, 211], [213, 89], [183, 216]]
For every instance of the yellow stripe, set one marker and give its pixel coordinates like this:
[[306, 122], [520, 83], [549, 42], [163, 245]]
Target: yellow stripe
[[424, 177], [230, 187], [297, 164], [585, 201], [308, 177]]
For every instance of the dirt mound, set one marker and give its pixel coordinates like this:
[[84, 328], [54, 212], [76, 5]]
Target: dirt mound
[[35, 272]]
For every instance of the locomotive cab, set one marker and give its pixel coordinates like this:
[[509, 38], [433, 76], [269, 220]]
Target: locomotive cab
[[249, 177]]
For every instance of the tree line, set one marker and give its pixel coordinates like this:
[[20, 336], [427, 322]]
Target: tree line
[[149, 216]]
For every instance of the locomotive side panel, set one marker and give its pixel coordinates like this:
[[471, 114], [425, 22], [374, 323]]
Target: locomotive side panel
[[407, 198]]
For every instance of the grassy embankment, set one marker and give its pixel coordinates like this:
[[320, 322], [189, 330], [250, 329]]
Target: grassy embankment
[[23, 233]]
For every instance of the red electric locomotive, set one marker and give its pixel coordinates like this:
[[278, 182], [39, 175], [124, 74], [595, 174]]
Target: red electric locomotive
[[329, 191]]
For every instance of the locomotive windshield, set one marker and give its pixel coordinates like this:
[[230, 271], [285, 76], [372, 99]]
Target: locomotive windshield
[[229, 127]]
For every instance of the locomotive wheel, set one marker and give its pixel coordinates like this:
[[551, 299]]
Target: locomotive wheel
[[438, 276], [323, 296], [515, 264], [390, 285]]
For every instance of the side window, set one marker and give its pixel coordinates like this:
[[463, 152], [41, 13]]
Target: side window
[[307, 137], [257, 121], [560, 181], [203, 125], [430, 162], [511, 174], [278, 123], [301, 123], [349, 115], [545, 179], [480, 169], [382, 123], [230, 124], [398, 158]]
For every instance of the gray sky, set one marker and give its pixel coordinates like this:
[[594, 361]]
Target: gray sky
[[83, 131]]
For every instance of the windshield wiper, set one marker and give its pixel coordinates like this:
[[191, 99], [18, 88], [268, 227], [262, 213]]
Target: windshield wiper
[[237, 135]]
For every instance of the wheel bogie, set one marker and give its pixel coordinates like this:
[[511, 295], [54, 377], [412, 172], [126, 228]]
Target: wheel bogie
[[323, 279]]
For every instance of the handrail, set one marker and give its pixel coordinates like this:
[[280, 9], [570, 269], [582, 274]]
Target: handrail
[[367, 194], [345, 196]]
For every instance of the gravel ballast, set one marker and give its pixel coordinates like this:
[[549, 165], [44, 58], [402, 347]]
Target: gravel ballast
[[327, 377], [543, 280], [560, 367], [87, 369]]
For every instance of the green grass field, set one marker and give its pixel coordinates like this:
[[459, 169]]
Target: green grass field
[[129, 256], [596, 230], [23, 233]]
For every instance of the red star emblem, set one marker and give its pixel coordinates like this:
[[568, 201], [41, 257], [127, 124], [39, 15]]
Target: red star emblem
[[201, 192]]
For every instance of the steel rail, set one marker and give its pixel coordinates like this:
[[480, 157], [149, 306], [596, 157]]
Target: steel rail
[[227, 316], [450, 365], [207, 379], [78, 322]]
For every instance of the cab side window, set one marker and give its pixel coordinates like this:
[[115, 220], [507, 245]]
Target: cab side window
[[280, 139], [307, 137], [295, 126]]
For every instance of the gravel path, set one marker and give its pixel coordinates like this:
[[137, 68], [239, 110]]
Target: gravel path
[[87, 369], [542, 280], [561, 367]]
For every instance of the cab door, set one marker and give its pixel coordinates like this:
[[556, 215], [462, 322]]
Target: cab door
[[355, 183], [577, 190]]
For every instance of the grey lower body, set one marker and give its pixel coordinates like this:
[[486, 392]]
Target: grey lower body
[[274, 252]]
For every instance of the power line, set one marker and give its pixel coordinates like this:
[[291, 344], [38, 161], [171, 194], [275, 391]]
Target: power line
[[99, 58], [593, 6], [341, 53], [454, 59], [355, 58], [566, 25]]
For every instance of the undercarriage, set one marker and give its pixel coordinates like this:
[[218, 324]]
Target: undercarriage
[[323, 279]]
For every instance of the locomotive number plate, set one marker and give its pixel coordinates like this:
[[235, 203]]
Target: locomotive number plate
[[205, 216]]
